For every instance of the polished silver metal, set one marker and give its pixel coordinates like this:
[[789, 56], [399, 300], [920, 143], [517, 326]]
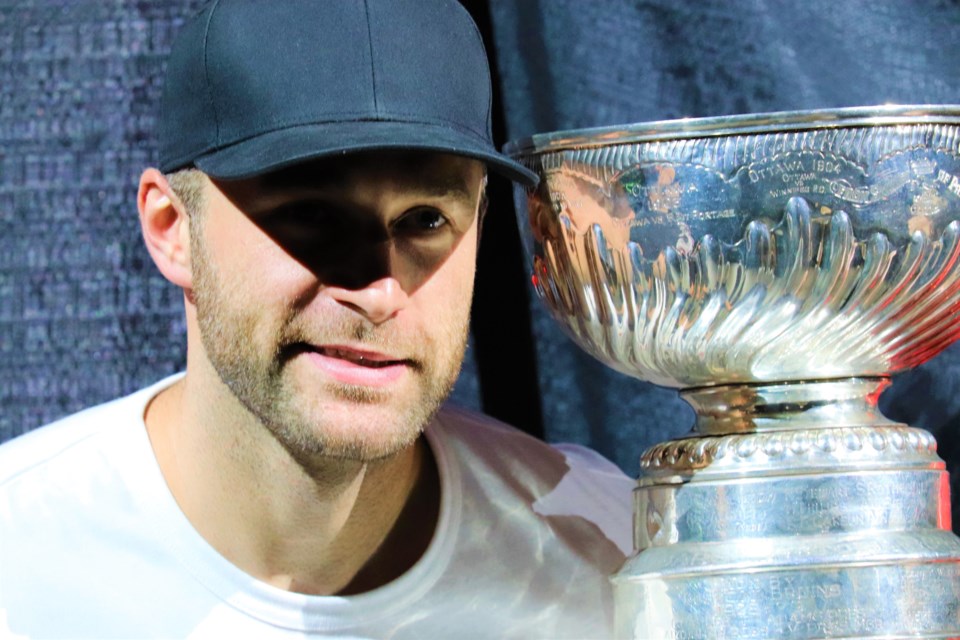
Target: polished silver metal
[[776, 268]]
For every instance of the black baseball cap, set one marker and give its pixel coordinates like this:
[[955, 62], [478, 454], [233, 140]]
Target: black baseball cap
[[257, 85]]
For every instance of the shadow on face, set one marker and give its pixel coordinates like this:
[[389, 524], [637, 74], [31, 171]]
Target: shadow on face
[[357, 219]]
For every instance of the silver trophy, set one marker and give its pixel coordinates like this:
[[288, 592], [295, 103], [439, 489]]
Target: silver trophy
[[777, 269]]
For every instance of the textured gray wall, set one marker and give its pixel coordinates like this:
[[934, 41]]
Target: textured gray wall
[[83, 315]]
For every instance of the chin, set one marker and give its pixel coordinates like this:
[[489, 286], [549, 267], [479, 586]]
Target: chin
[[364, 433]]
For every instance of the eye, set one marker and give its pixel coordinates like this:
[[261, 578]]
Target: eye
[[421, 221]]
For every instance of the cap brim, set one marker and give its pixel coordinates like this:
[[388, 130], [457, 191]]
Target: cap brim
[[293, 145]]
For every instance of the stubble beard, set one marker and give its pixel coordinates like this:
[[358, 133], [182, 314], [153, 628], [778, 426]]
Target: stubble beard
[[262, 382]]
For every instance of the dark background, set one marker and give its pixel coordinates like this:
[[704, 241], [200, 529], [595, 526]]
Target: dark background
[[84, 316]]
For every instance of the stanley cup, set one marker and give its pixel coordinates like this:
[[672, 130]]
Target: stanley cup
[[777, 269]]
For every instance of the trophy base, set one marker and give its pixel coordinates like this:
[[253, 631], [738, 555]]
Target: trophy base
[[891, 585], [782, 524]]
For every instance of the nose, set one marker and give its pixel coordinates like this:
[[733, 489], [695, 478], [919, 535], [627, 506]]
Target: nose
[[378, 301]]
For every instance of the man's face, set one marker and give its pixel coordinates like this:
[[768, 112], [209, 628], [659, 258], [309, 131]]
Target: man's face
[[333, 298]]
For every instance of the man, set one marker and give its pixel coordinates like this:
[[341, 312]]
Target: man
[[318, 200]]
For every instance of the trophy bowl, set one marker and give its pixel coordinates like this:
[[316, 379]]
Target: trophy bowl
[[777, 269]]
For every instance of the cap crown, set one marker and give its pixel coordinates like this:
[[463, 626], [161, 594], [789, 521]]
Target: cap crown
[[246, 68]]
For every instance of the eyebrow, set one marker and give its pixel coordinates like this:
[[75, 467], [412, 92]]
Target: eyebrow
[[450, 186]]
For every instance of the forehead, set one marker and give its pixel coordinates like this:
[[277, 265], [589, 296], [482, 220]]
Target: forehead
[[435, 174]]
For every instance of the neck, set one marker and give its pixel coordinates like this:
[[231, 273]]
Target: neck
[[330, 526]]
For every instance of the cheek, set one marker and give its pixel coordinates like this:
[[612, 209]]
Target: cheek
[[254, 266], [465, 261], [449, 293]]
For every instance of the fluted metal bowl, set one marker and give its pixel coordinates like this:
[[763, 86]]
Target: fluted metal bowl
[[751, 249]]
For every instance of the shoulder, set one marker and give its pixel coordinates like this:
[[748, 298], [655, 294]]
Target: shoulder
[[59, 439], [557, 480], [497, 441], [559, 517], [72, 440]]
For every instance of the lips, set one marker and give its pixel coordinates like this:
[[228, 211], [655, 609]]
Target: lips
[[358, 367], [361, 358]]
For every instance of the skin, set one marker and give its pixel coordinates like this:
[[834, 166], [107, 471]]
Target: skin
[[327, 308]]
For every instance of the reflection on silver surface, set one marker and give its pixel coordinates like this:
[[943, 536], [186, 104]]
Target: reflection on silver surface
[[777, 268]]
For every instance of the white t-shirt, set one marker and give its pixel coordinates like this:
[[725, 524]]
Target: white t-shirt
[[93, 545]]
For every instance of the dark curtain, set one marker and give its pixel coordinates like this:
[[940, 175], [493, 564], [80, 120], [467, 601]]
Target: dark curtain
[[84, 316], [568, 64]]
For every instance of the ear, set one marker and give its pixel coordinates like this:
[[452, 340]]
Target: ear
[[166, 228]]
